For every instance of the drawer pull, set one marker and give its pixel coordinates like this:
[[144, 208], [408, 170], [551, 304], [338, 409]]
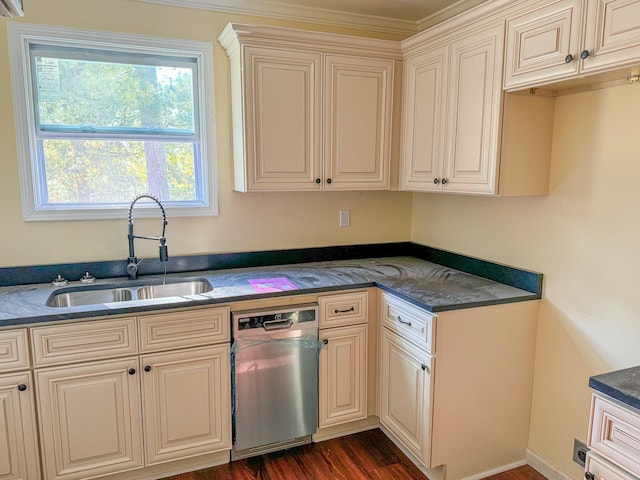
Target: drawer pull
[[404, 322], [22, 387], [348, 310]]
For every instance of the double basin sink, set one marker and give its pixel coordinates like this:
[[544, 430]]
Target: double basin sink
[[109, 293]]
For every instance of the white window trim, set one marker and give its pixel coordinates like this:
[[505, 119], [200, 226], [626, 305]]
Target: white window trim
[[21, 35]]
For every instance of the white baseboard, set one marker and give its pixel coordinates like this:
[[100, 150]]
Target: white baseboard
[[543, 467], [497, 470]]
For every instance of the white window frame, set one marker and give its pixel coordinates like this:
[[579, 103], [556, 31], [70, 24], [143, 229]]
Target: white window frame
[[22, 35]]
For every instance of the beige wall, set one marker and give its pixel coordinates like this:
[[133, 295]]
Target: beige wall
[[246, 222], [585, 238]]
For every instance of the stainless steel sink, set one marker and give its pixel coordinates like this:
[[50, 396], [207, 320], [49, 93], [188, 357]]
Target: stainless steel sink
[[89, 297], [97, 294], [178, 289]]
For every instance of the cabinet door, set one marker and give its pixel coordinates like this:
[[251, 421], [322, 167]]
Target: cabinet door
[[424, 120], [343, 375], [474, 112], [187, 403], [405, 394], [539, 43], [282, 95], [18, 437], [612, 34], [90, 419], [358, 112]]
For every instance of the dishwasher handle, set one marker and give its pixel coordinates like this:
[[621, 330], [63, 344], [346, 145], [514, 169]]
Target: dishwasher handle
[[277, 324]]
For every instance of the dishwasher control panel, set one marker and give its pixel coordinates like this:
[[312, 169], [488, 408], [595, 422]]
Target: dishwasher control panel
[[264, 319]]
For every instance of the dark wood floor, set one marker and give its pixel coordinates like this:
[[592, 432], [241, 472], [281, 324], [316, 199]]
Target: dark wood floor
[[364, 456]]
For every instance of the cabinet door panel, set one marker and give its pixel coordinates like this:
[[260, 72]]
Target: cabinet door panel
[[612, 34], [405, 404], [90, 419], [343, 375], [180, 425], [474, 112], [539, 42], [283, 122], [18, 437], [357, 122], [424, 120]]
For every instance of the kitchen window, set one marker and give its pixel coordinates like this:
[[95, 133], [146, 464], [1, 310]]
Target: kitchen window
[[104, 117]]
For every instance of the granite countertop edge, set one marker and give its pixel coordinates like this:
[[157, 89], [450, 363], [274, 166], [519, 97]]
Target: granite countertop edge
[[428, 285], [622, 385]]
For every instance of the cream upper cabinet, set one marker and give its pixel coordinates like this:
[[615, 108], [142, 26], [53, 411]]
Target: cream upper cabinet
[[358, 111], [311, 111], [452, 114], [424, 109], [569, 38]]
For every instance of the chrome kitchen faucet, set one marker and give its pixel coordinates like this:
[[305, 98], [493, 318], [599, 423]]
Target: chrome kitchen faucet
[[132, 265]]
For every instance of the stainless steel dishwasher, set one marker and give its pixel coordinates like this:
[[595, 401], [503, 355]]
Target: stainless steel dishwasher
[[275, 379]]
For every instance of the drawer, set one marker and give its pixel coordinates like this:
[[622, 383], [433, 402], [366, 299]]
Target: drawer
[[165, 331], [615, 433], [604, 470], [408, 321], [13, 350], [88, 340], [343, 309]]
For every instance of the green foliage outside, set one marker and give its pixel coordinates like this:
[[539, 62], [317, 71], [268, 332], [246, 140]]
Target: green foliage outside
[[108, 99]]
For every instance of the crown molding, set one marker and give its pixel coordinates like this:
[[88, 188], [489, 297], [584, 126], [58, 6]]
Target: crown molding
[[300, 13]]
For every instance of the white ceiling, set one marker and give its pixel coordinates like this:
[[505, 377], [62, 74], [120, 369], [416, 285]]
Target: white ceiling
[[397, 16]]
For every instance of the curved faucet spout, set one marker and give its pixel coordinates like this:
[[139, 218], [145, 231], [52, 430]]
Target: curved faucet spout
[[132, 261]]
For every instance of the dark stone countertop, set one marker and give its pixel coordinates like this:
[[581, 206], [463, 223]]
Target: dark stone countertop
[[431, 286], [623, 385]]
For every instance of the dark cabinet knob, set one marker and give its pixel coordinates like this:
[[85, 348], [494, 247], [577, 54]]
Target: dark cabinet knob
[[423, 367], [325, 341], [436, 181], [318, 180], [445, 181], [328, 180], [147, 368], [589, 476], [568, 58], [132, 371], [22, 387], [584, 54]]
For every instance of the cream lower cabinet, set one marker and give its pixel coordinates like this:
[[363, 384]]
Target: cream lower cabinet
[[133, 412], [19, 456], [344, 366], [455, 388], [405, 395], [566, 39], [311, 111], [613, 440], [186, 398], [90, 417], [18, 436]]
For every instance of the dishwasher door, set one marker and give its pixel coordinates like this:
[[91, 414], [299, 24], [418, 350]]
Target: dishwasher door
[[275, 379]]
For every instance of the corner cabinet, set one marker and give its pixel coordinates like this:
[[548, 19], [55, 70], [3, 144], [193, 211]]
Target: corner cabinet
[[311, 111], [454, 135], [566, 39], [449, 398]]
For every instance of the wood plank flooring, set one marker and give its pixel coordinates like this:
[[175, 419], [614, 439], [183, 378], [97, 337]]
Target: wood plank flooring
[[368, 455]]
